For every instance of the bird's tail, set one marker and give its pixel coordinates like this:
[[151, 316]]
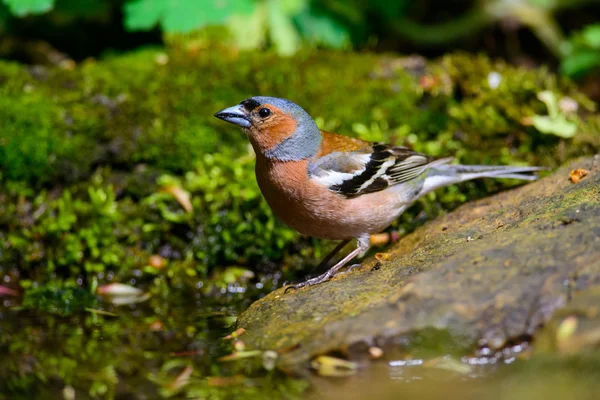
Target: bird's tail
[[443, 174]]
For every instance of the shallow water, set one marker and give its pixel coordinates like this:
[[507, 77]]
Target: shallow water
[[170, 347]]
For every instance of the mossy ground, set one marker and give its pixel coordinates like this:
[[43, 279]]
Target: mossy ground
[[91, 158], [96, 164]]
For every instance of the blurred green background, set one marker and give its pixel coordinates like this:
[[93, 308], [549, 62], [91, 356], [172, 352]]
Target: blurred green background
[[556, 31]]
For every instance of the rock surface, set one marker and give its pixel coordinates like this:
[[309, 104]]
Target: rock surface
[[491, 272]]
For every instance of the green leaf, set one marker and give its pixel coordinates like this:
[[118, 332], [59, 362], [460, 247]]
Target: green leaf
[[580, 63], [556, 126], [282, 32], [591, 34], [554, 123], [319, 28], [551, 102], [21, 8], [249, 31], [180, 16], [292, 7]]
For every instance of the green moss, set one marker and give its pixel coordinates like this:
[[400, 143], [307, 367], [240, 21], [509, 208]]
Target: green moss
[[36, 145], [87, 154]]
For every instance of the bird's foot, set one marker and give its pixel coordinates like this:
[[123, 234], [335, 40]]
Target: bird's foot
[[350, 268], [319, 279], [312, 281]]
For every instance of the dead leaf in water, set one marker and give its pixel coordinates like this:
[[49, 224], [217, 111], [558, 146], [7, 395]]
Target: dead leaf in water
[[375, 352], [449, 364], [121, 294], [334, 367], [4, 291]]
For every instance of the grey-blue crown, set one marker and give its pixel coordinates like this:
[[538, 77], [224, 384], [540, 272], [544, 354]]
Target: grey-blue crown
[[284, 105], [305, 141]]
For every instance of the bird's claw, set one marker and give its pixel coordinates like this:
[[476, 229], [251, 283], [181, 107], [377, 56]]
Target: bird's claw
[[293, 287], [308, 282], [318, 279], [350, 268]]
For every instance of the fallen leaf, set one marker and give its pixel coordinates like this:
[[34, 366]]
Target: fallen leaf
[[182, 379], [334, 367], [156, 261], [181, 195], [237, 333], [118, 289], [121, 294], [449, 364], [383, 256], [4, 291], [379, 239], [375, 352], [578, 174]]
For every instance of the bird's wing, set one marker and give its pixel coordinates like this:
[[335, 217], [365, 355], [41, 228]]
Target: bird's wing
[[369, 169]]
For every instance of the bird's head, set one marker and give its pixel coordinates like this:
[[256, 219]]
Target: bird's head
[[277, 128]]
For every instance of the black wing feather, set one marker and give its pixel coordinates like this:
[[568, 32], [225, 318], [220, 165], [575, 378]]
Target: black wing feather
[[400, 171]]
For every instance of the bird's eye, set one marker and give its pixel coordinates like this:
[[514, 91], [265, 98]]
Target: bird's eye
[[264, 112]]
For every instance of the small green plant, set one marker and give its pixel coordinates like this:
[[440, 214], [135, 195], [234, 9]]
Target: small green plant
[[556, 122], [584, 54]]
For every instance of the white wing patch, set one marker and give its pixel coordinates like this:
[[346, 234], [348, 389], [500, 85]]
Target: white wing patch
[[330, 177]]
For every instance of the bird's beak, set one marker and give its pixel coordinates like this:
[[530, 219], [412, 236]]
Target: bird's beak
[[235, 115]]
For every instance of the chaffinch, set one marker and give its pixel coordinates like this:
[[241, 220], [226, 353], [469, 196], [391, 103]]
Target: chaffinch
[[336, 187]]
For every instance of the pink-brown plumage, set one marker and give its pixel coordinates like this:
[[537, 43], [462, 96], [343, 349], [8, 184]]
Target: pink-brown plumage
[[313, 210]]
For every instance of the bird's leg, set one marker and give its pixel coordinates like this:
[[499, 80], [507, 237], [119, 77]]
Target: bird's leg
[[323, 264], [363, 246]]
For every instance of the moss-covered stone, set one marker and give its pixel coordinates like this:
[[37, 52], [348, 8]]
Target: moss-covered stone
[[489, 273], [89, 157]]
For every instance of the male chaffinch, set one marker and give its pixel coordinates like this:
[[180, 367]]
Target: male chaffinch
[[335, 187]]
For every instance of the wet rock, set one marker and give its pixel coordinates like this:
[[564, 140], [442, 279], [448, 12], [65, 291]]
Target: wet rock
[[531, 250]]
